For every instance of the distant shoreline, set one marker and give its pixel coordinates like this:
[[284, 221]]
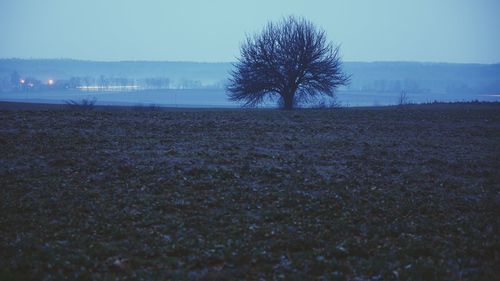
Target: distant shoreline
[[9, 105]]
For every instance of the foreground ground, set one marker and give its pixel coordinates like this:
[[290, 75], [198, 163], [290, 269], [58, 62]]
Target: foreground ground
[[365, 194]]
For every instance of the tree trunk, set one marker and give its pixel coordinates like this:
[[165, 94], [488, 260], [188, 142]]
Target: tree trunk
[[288, 101]]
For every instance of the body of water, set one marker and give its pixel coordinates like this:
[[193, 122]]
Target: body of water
[[218, 98]]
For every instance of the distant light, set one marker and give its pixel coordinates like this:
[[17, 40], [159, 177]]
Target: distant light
[[22, 81], [31, 85], [51, 82]]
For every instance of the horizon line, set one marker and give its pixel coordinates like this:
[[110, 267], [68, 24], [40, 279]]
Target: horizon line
[[231, 62]]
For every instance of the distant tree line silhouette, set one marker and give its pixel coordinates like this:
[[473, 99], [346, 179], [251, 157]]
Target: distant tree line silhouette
[[19, 83]]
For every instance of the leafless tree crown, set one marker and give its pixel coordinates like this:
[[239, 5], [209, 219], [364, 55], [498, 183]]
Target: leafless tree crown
[[291, 60]]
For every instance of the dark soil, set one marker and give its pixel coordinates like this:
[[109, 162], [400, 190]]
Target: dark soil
[[365, 194]]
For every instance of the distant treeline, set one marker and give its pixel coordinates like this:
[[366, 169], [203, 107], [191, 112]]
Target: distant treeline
[[412, 77], [17, 82], [418, 77]]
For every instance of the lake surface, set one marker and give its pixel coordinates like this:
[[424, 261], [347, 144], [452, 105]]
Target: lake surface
[[218, 98]]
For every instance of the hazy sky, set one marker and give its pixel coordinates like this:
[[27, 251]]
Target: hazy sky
[[211, 30]]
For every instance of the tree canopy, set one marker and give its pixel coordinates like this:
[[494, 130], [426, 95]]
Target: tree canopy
[[290, 60]]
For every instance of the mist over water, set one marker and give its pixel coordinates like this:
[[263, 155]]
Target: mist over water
[[217, 98], [187, 84]]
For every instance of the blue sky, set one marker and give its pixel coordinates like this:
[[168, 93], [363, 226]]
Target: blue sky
[[190, 30]]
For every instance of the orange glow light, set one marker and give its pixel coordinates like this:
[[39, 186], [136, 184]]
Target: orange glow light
[[21, 81], [51, 82]]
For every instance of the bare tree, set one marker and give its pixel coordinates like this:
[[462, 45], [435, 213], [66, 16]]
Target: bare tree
[[290, 60], [403, 98]]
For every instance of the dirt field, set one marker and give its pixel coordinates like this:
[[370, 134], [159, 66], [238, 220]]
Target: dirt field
[[348, 194]]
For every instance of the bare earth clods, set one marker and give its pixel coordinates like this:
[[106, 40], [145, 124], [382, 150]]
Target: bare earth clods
[[372, 194]]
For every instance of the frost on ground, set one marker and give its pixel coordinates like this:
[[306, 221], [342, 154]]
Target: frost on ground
[[375, 194]]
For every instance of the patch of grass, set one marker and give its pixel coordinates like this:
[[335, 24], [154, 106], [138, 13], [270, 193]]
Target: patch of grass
[[84, 104], [150, 107]]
